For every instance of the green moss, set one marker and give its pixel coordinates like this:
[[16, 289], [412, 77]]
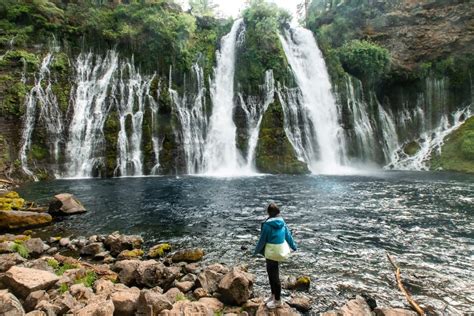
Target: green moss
[[53, 263], [412, 148], [20, 57], [63, 288], [159, 250], [457, 153], [38, 152], [274, 153], [63, 268], [88, 279], [21, 249]]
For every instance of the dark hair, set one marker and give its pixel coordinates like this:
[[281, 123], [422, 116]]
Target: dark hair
[[273, 210]]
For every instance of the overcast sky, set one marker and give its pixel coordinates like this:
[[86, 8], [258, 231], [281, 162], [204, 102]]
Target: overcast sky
[[233, 7]]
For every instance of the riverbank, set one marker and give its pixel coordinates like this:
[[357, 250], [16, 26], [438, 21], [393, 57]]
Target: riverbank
[[114, 275]]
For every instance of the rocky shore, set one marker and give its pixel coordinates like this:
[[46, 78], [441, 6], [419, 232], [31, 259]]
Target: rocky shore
[[114, 275]]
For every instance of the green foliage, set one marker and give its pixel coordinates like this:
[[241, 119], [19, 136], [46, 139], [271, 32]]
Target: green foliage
[[365, 60], [38, 152], [203, 7], [88, 279], [21, 249], [180, 297], [63, 288], [64, 267], [53, 263], [467, 144]]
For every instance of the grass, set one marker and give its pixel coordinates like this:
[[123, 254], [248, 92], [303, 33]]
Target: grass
[[88, 280], [21, 249]]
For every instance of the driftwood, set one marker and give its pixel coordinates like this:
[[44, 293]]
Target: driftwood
[[101, 271], [408, 297], [6, 181]]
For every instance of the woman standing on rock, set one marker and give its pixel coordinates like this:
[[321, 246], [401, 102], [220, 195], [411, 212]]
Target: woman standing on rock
[[274, 243]]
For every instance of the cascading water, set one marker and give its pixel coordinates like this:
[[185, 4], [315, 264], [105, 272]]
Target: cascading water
[[313, 122], [192, 115], [42, 98], [90, 107], [221, 156], [133, 92], [254, 113], [155, 140]]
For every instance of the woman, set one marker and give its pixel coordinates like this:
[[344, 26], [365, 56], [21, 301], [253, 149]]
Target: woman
[[274, 243]]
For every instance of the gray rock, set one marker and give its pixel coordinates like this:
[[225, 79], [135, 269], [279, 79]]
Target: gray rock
[[6, 247], [151, 303], [127, 271], [66, 204], [10, 305], [36, 246], [93, 249], [9, 260], [184, 286], [301, 303], [151, 273], [34, 298], [236, 287], [126, 301], [23, 281], [64, 242], [209, 280], [117, 243]]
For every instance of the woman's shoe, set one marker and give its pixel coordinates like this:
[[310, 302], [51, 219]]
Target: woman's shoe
[[274, 304], [269, 299]]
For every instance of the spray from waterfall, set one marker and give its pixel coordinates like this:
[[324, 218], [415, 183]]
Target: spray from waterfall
[[312, 114]]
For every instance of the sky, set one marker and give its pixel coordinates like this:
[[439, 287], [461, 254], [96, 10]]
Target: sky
[[233, 7]]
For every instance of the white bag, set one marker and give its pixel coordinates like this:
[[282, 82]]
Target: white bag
[[277, 252]]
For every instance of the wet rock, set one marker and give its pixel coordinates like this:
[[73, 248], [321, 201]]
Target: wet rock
[[65, 204], [117, 243], [64, 242], [236, 287], [97, 308], [159, 250], [357, 306], [92, 249], [130, 254], [9, 260], [151, 303], [127, 271], [34, 299], [212, 303], [10, 305], [301, 303], [393, 312], [21, 219], [23, 281], [36, 246], [200, 293], [188, 255], [126, 301], [188, 308], [301, 283], [184, 286]]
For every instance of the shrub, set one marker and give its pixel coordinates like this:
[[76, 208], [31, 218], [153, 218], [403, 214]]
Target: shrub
[[21, 249]]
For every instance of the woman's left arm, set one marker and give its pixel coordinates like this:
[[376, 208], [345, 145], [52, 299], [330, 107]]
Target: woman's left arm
[[262, 240], [289, 239]]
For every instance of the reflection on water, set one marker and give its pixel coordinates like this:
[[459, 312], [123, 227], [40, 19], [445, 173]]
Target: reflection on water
[[343, 225]]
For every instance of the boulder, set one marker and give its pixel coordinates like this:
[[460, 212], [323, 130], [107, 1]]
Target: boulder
[[236, 287], [130, 254], [169, 276], [36, 246], [174, 294], [9, 260], [200, 293], [150, 273], [126, 301], [212, 303], [188, 308], [10, 305], [64, 242], [188, 255], [301, 283], [65, 204], [284, 310], [11, 201], [93, 249], [80, 292], [209, 280], [159, 250], [151, 303], [6, 247], [357, 306], [127, 271], [97, 308], [184, 286], [192, 268], [21, 219], [65, 303], [103, 287], [34, 298], [23, 281], [117, 243], [393, 312], [301, 303]]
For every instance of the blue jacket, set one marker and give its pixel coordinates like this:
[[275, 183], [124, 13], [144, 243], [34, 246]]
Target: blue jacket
[[274, 231]]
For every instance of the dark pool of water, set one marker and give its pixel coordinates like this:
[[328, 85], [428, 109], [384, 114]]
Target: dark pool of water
[[344, 225]]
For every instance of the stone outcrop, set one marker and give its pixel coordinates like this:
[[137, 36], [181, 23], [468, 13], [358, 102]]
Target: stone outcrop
[[23, 281], [66, 204]]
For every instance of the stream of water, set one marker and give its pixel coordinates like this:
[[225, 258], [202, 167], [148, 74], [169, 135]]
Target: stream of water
[[344, 225]]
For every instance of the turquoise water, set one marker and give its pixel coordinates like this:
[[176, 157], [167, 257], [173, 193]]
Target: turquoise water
[[344, 226]]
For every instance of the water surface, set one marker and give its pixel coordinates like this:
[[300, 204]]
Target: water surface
[[344, 225]]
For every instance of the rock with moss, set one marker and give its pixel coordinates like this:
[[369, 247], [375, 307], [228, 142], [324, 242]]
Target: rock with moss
[[11, 201], [457, 153], [22, 219], [188, 255], [130, 254], [159, 250], [274, 153], [301, 283]]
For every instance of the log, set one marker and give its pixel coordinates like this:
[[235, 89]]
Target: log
[[408, 297], [101, 271]]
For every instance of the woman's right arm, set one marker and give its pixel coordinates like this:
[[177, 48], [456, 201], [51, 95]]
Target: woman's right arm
[[289, 239], [262, 240]]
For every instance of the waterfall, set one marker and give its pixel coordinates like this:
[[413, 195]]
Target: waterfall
[[254, 113], [134, 90], [430, 141], [90, 107], [155, 141], [42, 97], [389, 133], [191, 111], [319, 141], [221, 156]]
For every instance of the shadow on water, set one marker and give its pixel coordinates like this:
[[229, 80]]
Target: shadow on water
[[343, 224]]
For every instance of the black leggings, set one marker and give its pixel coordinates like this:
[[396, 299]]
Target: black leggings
[[274, 277]]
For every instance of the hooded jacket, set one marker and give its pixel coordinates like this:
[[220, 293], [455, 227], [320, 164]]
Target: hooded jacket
[[274, 231]]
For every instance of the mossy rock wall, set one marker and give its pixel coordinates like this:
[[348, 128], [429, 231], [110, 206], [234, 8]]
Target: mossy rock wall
[[274, 153]]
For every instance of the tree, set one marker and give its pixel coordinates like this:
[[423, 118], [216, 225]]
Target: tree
[[203, 7], [303, 10]]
